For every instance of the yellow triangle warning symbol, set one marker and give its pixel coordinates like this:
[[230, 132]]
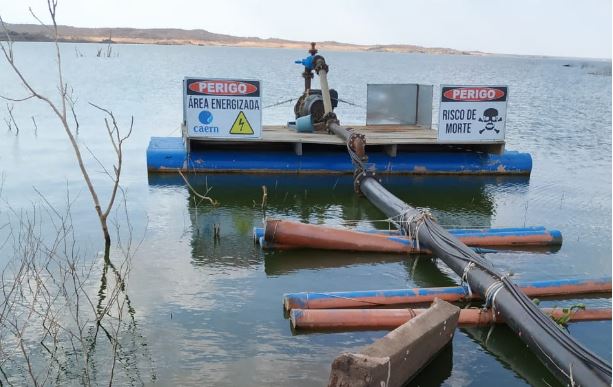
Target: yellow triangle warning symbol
[[241, 125]]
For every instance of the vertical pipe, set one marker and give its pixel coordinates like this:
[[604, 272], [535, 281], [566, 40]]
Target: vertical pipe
[[307, 74], [325, 91]]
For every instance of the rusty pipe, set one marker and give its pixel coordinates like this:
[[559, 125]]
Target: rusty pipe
[[377, 319], [307, 235], [300, 235], [356, 141]]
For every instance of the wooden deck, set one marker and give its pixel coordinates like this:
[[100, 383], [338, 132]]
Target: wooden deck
[[375, 135], [388, 136]]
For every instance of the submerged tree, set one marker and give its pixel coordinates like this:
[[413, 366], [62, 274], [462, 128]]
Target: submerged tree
[[56, 324], [61, 111]]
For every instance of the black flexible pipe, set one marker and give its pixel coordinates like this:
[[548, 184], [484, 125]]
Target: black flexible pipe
[[567, 359]]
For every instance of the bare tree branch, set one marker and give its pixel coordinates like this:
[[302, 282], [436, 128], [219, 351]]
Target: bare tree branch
[[204, 197], [16, 99], [11, 120], [61, 113], [45, 303]]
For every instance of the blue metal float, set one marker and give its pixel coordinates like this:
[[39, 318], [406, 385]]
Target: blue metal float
[[168, 154]]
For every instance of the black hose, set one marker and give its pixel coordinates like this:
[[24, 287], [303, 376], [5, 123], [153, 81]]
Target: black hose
[[568, 360]]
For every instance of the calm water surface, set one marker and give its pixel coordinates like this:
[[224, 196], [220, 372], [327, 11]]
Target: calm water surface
[[210, 312]]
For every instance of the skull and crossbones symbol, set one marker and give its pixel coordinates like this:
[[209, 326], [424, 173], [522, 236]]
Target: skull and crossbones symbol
[[489, 117]]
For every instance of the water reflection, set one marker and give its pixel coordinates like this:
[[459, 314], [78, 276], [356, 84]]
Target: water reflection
[[425, 271], [128, 345], [289, 262], [328, 199], [512, 353], [437, 371], [458, 201], [461, 199]]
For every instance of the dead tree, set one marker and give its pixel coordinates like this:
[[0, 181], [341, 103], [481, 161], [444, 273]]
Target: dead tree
[[109, 48], [52, 327], [61, 111], [10, 122]]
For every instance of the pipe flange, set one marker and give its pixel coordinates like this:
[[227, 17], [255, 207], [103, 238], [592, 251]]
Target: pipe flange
[[331, 116], [356, 138], [359, 176], [330, 119], [357, 143], [319, 63]]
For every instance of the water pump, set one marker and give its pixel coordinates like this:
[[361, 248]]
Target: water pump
[[313, 102]]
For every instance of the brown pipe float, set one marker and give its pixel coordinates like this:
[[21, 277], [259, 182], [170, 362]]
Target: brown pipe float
[[328, 238], [379, 319], [300, 235]]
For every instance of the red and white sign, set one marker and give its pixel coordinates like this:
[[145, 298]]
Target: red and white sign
[[472, 114], [222, 108]]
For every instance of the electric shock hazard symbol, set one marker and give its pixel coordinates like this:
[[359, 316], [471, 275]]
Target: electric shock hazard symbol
[[241, 125]]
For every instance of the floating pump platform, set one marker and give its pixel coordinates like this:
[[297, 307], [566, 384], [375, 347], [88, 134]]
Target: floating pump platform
[[222, 130]]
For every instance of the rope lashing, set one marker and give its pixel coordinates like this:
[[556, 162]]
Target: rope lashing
[[412, 313], [356, 160], [464, 279], [490, 297], [411, 221]]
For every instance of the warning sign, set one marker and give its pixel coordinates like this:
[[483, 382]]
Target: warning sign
[[222, 108], [241, 125], [472, 113]]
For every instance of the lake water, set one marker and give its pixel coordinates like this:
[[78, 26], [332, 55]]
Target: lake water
[[209, 312]]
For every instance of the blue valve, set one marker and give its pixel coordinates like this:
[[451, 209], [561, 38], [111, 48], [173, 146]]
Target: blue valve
[[306, 62]]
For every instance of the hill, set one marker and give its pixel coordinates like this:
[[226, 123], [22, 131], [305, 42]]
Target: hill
[[38, 33]]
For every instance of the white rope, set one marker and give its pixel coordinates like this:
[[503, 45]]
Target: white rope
[[412, 223], [490, 296], [464, 279]]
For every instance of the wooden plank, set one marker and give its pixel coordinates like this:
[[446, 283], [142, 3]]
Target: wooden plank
[[397, 357], [388, 135]]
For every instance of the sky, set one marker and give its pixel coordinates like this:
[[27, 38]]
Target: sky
[[568, 28]]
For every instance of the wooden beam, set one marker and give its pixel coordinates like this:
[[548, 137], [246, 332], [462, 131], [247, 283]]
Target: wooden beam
[[401, 354]]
